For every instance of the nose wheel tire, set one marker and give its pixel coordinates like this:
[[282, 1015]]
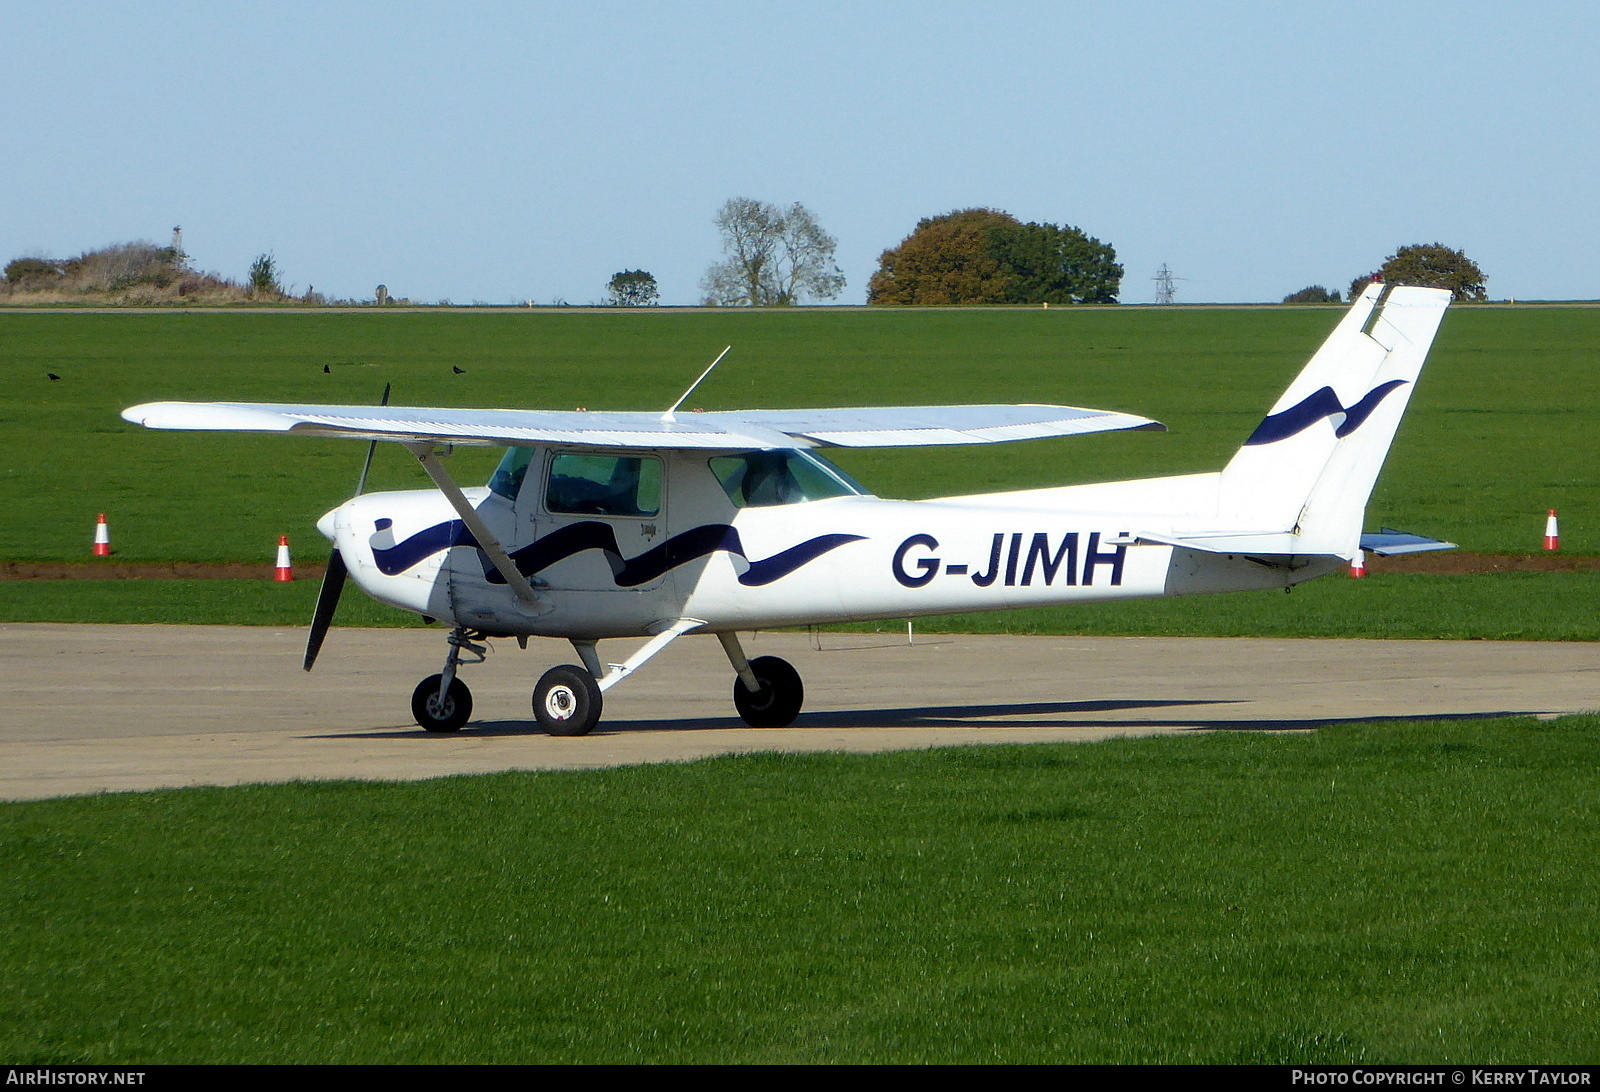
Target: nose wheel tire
[[436, 716], [777, 702], [567, 701]]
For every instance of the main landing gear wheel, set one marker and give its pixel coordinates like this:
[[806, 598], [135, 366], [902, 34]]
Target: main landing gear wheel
[[567, 701], [436, 716], [778, 701]]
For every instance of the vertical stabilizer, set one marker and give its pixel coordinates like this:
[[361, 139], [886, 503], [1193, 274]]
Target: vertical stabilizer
[[1310, 465]]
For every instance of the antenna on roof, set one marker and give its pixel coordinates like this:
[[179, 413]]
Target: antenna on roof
[[667, 417], [361, 485]]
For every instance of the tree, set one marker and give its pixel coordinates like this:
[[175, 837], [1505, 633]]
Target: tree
[[1050, 264], [1315, 294], [1434, 265], [632, 288], [124, 265], [33, 272], [264, 276], [948, 259], [978, 256], [138, 269], [1359, 285], [775, 257]]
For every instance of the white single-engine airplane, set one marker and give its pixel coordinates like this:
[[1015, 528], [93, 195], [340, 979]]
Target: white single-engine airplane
[[601, 525]]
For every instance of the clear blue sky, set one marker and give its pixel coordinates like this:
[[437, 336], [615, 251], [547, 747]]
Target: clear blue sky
[[503, 152]]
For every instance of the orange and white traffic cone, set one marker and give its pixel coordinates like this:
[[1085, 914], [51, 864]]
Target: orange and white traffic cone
[[1552, 536], [102, 537], [285, 570], [1358, 565]]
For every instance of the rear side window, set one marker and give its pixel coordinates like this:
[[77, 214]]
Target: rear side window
[[604, 485], [762, 479]]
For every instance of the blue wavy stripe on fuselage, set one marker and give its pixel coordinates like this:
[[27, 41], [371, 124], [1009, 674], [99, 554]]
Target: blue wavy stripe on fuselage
[[780, 565], [1313, 408], [575, 538], [396, 559]]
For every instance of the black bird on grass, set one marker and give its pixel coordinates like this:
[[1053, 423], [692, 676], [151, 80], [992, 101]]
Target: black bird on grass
[[52, 375], [458, 371]]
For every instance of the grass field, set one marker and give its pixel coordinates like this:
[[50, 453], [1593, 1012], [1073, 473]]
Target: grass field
[[1420, 893], [1500, 430]]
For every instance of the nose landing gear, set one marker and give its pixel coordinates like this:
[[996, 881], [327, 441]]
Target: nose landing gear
[[440, 706], [442, 702]]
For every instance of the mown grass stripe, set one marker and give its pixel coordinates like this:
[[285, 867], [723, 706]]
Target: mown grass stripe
[[1398, 892]]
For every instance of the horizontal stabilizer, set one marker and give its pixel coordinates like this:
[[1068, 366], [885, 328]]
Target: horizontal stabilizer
[[1239, 544], [1385, 543], [890, 426], [1391, 543]]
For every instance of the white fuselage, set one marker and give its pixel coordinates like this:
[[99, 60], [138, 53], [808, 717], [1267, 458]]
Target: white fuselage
[[854, 557]]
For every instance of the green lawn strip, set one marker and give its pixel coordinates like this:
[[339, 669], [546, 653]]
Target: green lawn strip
[[1499, 428], [1384, 893], [1500, 606], [186, 602]]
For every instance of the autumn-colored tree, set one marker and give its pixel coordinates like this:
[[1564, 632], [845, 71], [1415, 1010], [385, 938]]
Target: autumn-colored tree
[[948, 259], [1434, 265], [986, 256]]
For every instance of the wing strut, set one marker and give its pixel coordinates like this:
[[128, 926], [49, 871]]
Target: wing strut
[[469, 516], [618, 672]]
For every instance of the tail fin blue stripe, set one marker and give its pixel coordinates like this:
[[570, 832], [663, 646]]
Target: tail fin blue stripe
[[1313, 408]]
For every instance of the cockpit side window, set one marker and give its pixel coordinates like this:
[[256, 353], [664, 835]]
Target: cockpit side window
[[507, 477], [604, 485], [762, 479]]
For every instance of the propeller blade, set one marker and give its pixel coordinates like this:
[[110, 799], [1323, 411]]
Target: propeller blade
[[333, 580], [327, 603]]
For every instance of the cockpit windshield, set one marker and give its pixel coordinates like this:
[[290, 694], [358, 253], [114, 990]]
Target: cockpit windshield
[[761, 479], [507, 477]]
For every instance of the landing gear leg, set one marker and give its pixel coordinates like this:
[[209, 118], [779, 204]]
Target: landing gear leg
[[442, 702], [768, 692], [591, 658]]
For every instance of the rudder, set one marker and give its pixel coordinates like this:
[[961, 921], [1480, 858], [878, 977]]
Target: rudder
[[1310, 465]]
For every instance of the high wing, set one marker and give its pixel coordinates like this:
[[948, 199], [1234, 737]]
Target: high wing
[[893, 426]]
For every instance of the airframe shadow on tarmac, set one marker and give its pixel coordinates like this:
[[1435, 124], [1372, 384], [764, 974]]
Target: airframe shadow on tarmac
[[1053, 715]]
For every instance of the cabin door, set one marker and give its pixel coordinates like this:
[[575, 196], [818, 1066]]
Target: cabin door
[[598, 521]]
